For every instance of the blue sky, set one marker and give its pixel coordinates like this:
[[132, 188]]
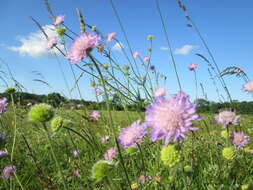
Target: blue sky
[[226, 25]]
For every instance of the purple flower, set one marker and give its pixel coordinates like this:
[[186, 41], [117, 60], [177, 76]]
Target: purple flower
[[152, 68], [29, 104], [3, 105], [171, 118], [3, 154], [76, 153], [111, 36], [239, 139], [110, 154], [51, 42], [8, 171], [77, 173], [192, 67], [248, 87], [226, 118], [59, 20], [133, 134], [78, 51], [160, 92], [94, 115]]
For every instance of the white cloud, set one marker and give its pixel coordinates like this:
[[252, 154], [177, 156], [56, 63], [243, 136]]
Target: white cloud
[[35, 43], [184, 50], [164, 48], [118, 46]]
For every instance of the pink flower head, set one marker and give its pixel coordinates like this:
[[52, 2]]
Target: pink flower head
[[29, 104], [171, 118], [146, 59], [132, 135], [3, 105], [248, 87], [239, 70], [8, 171], [105, 139], [98, 92], [77, 173], [160, 92], [192, 67], [239, 139], [94, 115], [59, 20], [78, 51], [136, 54], [51, 42], [3, 154], [142, 179], [111, 36], [226, 118], [110, 154], [76, 153]]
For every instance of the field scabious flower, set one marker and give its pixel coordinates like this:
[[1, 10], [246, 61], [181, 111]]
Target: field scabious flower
[[8, 171], [248, 87], [226, 118], [3, 105], [136, 54], [111, 36], [228, 153], [133, 134], [171, 118], [110, 154], [56, 123], [239, 139], [192, 67], [146, 59], [94, 115], [51, 42], [3, 154], [76, 153], [160, 92], [59, 20], [78, 51], [169, 155]]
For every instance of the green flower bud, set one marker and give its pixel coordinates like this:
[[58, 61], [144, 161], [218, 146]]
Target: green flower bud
[[224, 134], [150, 37], [100, 170], [56, 123], [106, 66], [150, 50], [61, 31], [187, 169], [126, 67], [169, 155], [228, 153], [10, 90], [41, 113], [93, 84], [94, 28]]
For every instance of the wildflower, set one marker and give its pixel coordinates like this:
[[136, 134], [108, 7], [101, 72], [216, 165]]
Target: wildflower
[[8, 171], [51, 42], [111, 36], [60, 31], [77, 173], [192, 67], [94, 28], [105, 139], [59, 20], [150, 37], [169, 155], [142, 179], [85, 42], [3, 105], [146, 59], [136, 54], [56, 123], [76, 153], [98, 93], [152, 68], [134, 186], [248, 87], [10, 90], [3, 154], [228, 153], [94, 115], [132, 135], [171, 118], [226, 118], [160, 92], [106, 66], [110, 154], [41, 113], [29, 104], [239, 139], [100, 170], [224, 134]]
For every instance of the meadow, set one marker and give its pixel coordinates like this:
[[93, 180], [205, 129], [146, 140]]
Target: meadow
[[134, 135]]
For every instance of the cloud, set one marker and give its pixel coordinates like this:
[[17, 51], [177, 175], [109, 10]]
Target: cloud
[[184, 50], [117, 46], [164, 48], [35, 43]]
